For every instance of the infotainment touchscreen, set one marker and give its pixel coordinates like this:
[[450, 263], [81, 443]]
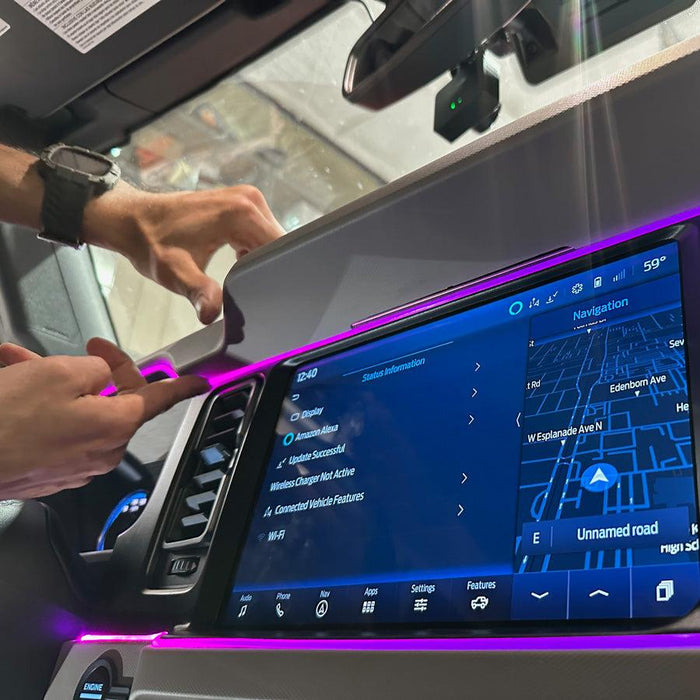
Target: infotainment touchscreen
[[527, 459]]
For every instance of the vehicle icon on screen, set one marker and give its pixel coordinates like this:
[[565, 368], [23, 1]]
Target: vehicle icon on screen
[[480, 603]]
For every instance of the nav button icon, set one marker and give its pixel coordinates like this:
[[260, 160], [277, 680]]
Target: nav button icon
[[321, 609]]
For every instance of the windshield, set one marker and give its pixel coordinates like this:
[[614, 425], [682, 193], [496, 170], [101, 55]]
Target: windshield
[[282, 124]]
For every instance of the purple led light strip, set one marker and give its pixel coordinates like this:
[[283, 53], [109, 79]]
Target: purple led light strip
[[118, 638], [579, 643], [221, 378], [158, 367]]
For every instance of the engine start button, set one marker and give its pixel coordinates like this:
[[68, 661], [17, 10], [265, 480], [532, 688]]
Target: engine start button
[[96, 682]]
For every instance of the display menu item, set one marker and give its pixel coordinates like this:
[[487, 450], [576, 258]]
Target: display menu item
[[527, 459]]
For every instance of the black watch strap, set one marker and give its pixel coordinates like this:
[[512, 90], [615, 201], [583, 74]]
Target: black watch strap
[[63, 208]]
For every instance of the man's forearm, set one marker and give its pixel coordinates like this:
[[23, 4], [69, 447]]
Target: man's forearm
[[169, 237], [109, 221], [21, 188]]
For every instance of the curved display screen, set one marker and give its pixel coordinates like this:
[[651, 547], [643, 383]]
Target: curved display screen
[[527, 459]]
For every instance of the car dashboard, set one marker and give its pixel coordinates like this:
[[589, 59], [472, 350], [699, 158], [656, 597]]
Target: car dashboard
[[501, 475]]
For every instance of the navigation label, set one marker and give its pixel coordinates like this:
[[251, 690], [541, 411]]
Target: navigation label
[[627, 530]]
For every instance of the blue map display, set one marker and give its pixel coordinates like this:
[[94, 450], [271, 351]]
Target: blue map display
[[606, 430], [529, 458]]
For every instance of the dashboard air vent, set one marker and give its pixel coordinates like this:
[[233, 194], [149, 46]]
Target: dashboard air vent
[[208, 463]]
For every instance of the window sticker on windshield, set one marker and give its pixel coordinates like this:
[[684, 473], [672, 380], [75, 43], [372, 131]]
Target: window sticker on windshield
[[84, 24], [4, 26]]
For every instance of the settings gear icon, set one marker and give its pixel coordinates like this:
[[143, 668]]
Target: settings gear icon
[[577, 288]]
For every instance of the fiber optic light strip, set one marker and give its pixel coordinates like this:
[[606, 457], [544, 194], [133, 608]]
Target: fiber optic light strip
[[160, 367], [118, 638], [593, 643], [221, 378]]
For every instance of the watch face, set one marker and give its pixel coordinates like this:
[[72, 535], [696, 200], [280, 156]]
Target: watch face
[[82, 162]]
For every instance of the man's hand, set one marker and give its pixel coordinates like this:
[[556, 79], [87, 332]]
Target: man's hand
[[172, 237], [168, 237], [57, 432]]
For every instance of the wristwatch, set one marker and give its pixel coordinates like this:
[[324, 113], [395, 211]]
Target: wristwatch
[[72, 177]]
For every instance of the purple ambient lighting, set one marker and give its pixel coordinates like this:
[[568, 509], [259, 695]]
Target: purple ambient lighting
[[118, 638], [221, 378], [625, 642], [158, 367]]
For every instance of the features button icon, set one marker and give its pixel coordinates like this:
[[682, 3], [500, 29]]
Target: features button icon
[[321, 608], [487, 598], [481, 602], [664, 591]]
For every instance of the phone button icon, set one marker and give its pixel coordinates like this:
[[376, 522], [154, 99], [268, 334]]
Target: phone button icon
[[279, 610]]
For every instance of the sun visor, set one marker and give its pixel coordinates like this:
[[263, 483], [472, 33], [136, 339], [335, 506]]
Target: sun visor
[[55, 50]]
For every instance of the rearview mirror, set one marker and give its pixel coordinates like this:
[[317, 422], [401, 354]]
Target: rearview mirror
[[414, 41]]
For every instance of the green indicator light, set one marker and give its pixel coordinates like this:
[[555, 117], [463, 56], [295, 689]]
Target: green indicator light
[[453, 105], [459, 101]]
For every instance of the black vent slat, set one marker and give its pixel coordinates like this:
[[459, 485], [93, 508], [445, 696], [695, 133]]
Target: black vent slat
[[196, 520], [210, 479], [200, 501], [207, 464], [221, 436]]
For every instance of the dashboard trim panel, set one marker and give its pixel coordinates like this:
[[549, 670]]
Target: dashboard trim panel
[[218, 379]]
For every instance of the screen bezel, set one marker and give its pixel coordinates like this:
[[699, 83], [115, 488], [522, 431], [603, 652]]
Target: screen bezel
[[231, 534]]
